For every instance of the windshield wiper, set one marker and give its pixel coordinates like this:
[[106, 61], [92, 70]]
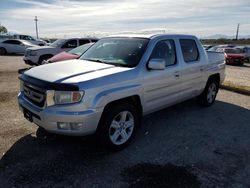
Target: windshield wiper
[[95, 60], [109, 63]]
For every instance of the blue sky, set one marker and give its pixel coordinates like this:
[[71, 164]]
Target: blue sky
[[66, 18]]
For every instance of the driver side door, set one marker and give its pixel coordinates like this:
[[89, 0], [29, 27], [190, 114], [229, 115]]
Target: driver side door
[[162, 87]]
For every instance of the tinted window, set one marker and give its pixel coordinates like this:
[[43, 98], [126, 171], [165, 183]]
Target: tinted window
[[83, 41], [12, 42], [94, 40], [165, 50], [70, 44], [25, 37], [189, 50]]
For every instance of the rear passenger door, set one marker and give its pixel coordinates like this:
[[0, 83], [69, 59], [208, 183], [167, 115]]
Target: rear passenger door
[[162, 87], [192, 68]]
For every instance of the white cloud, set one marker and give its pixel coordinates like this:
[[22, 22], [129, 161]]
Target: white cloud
[[75, 18]]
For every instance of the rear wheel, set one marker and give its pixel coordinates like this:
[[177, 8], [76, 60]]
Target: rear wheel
[[118, 125], [3, 51], [209, 94]]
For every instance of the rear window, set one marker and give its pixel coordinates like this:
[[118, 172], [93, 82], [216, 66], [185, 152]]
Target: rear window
[[12, 42], [189, 50]]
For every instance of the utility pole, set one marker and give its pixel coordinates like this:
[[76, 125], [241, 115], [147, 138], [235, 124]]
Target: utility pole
[[237, 33], [36, 26]]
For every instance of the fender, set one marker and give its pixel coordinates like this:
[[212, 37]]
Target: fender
[[107, 96]]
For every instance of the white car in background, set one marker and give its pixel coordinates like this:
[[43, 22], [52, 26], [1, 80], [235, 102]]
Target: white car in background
[[30, 39], [14, 46], [36, 55]]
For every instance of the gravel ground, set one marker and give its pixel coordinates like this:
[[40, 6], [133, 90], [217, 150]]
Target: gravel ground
[[182, 146], [239, 75]]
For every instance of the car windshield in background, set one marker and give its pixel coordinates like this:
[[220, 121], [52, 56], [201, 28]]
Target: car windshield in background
[[234, 51], [27, 43], [124, 52], [80, 49], [58, 43]]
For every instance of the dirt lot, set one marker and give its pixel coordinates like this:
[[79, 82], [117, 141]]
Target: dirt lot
[[238, 74], [182, 146]]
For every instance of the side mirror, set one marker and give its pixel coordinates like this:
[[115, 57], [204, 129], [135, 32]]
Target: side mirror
[[156, 64]]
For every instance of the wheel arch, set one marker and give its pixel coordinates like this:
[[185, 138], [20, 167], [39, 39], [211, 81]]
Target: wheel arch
[[215, 77], [133, 99]]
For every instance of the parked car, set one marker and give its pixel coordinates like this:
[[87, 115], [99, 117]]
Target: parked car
[[245, 51], [72, 54], [36, 55], [120, 78], [208, 46], [30, 39], [233, 56], [215, 47], [27, 38], [14, 46]]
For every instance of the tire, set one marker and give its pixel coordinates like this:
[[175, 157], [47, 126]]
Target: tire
[[3, 51], [118, 125], [209, 94], [44, 57]]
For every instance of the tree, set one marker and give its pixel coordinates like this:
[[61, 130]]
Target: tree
[[3, 29]]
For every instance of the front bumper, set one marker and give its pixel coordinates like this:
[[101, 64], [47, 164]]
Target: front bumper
[[30, 61], [48, 118], [234, 61]]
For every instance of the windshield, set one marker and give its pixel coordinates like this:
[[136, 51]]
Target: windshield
[[58, 43], [27, 43], [234, 51], [80, 49], [125, 52]]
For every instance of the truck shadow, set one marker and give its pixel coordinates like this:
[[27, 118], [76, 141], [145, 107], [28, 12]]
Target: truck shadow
[[179, 135]]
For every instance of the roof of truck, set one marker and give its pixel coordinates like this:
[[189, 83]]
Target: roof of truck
[[149, 36]]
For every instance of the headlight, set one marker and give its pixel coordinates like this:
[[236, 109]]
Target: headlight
[[33, 53], [63, 97]]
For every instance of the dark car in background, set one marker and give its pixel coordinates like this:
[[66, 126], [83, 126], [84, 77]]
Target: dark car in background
[[234, 56]]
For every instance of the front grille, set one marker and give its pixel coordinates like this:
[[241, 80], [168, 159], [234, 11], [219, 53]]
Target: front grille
[[34, 94], [26, 53]]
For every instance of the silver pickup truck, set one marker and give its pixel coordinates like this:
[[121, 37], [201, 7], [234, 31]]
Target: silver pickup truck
[[117, 81]]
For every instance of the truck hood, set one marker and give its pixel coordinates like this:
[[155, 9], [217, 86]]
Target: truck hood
[[73, 71], [41, 48], [234, 55]]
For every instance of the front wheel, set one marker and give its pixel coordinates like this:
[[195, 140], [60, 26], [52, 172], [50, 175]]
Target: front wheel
[[209, 94], [118, 126], [3, 51]]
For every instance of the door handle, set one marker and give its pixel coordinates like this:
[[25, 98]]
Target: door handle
[[177, 74], [201, 68]]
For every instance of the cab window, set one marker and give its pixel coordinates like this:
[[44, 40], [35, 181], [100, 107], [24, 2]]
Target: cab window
[[165, 49], [189, 50]]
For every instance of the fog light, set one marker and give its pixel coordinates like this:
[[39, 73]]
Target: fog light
[[63, 125], [76, 126], [69, 126]]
